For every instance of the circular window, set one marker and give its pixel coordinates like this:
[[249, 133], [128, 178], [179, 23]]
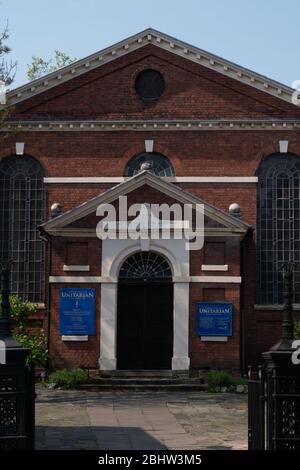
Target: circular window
[[149, 85]]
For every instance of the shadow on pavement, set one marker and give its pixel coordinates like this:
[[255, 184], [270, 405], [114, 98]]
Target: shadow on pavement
[[95, 437]]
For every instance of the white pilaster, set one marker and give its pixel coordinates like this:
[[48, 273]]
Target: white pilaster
[[181, 360], [108, 334], [113, 254]]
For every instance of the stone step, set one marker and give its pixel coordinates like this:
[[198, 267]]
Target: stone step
[[142, 373], [140, 380], [145, 381], [101, 387]]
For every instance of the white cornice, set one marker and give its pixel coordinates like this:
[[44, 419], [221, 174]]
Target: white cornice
[[73, 279], [162, 41], [101, 279], [84, 179], [152, 125], [170, 179], [91, 233]]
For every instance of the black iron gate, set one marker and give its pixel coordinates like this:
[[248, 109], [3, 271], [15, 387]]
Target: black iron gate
[[274, 388], [17, 399], [256, 405], [17, 385], [274, 408]]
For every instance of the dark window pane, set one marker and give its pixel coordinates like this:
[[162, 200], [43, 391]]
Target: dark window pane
[[22, 209], [154, 162], [145, 265], [150, 85], [277, 224]]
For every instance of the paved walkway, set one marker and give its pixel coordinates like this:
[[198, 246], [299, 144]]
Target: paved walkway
[[140, 420]]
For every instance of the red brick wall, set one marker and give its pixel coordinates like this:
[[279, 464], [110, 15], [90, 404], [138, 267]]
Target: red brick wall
[[219, 355], [60, 252], [193, 153], [204, 256], [214, 252], [74, 354], [77, 253], [69, 353], [192, 92]]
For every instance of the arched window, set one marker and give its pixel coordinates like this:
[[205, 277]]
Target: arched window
[[22, 209], [145, 265], [154, 162], [278, 225]]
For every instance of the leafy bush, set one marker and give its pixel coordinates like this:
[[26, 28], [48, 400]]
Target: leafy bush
[[239, 381], [297, 330], [217, 378], [68, 378], [20, 311], [36, 342]]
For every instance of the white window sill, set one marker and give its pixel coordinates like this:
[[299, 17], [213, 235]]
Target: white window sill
[[77, 267], [217, 339], [74, 338], [214, 267], [275, 307]]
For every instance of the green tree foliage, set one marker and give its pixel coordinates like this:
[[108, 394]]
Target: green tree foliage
[[40, 67], [297, 330], [7, 74], [7, 68], [32, 338]]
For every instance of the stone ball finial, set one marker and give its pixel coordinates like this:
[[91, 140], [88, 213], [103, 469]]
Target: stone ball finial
[[235, 210], [56, 209]]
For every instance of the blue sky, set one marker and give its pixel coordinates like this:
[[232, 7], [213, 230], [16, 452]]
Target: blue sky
[[262, 35]]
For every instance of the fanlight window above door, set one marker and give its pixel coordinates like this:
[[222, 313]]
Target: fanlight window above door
[[144, 266]]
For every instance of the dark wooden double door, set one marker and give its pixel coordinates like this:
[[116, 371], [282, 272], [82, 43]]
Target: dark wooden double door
[[145, 325]]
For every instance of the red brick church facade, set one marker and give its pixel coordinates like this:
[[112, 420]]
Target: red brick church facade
[[221, 128]]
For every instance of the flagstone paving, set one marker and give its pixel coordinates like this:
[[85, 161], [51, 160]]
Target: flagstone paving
[[140, 420]]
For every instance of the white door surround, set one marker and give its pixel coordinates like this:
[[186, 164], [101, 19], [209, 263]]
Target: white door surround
[[114, 253]]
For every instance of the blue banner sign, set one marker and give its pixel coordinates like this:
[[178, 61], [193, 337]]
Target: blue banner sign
[[77, 311], [213, 319]]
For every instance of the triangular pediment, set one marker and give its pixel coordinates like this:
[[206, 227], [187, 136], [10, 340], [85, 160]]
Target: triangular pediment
[[160, 41], [145, 185]]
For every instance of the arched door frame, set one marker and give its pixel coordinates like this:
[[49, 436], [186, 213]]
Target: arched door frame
[[114, 252], [145, 312]]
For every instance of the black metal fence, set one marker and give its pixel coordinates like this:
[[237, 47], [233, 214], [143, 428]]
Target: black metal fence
[[274, 408], [274, 388], [256, 413], [17, 399], [17, 384]]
